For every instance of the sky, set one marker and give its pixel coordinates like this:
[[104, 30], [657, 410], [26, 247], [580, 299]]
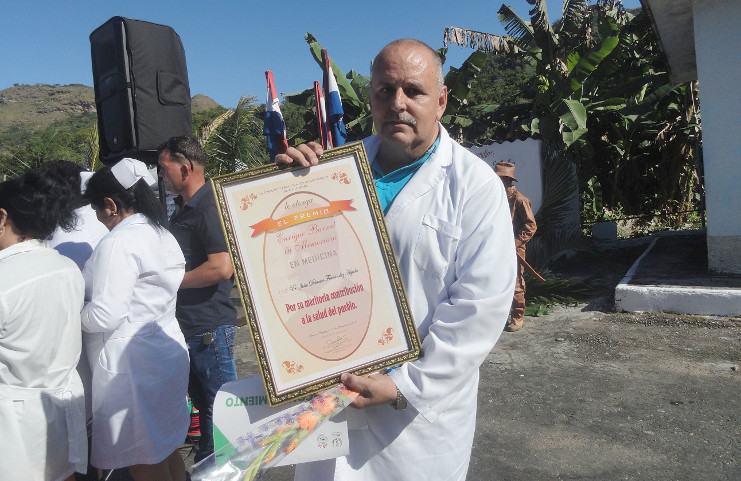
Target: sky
[[230, 44]]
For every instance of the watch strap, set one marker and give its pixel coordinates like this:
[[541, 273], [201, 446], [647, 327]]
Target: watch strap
[[400, 402]]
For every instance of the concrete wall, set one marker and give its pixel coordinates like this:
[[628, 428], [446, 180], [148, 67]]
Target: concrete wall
[[718, 51]]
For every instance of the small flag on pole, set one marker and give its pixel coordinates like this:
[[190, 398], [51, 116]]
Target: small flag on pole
[[335, 126], [321, 116], [274, 127]]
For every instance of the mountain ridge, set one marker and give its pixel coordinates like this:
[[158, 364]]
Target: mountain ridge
[[36, 107]]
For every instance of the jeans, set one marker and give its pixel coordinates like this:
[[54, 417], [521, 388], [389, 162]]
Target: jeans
[[211, 365]]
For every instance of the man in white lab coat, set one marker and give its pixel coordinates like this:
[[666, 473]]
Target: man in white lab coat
[[449, 222]]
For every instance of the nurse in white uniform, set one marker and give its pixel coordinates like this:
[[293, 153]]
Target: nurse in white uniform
[[42, 418], [77, 243], [140, 371]]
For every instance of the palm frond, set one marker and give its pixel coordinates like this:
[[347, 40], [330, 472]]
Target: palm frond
[[543, 32], [213, 125], [237, 143], [553, 291], [574, 22], [573, 14], [558, 216], [519, 30], [556, 290], [92, 149]]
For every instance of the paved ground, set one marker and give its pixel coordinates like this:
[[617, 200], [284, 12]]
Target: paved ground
[[584, 393], [587, 395], [681, 259]]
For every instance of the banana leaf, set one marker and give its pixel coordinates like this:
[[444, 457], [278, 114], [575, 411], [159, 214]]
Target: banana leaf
[[589, 62], [346, 91]]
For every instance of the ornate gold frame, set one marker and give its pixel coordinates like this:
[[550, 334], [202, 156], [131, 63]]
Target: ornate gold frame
[[224, 185]]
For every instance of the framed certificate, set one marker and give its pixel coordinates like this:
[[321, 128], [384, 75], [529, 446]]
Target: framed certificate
[[316, 272]]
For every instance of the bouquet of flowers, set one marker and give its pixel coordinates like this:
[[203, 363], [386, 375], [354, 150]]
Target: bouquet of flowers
[[251, 462]]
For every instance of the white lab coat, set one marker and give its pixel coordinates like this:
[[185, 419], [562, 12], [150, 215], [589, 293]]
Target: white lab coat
[[452, 235], [78, 245], [42, 423], [140, 366]]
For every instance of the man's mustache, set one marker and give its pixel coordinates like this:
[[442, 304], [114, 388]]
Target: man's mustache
[[401, 117]]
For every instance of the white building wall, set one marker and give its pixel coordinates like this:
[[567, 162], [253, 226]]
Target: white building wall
[[717, 41], [525, 154]]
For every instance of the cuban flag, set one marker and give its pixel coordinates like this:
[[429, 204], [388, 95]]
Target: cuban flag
[[274, 127], [335, 126], [321, 116]]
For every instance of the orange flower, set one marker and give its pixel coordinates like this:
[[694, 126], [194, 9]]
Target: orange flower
[[347, 391], [307, 420], [291, 446], [324, 404]]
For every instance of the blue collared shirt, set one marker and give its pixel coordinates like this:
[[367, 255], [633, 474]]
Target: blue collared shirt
[[389, 185]]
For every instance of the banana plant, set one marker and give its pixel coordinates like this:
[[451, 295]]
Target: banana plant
[[353, 89], [457, 115]]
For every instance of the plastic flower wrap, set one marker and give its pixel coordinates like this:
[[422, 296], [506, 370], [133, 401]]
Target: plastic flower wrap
[[252, 461]]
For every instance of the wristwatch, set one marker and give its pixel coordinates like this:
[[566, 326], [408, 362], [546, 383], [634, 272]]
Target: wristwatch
[[400, 402]]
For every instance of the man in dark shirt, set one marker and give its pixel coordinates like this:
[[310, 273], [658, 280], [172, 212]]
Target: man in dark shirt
[[205, 312]]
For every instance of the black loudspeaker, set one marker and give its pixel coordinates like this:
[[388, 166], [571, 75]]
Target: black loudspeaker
[[141, 88]]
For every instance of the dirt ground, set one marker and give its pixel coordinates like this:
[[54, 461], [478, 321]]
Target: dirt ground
[[587, 393]]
